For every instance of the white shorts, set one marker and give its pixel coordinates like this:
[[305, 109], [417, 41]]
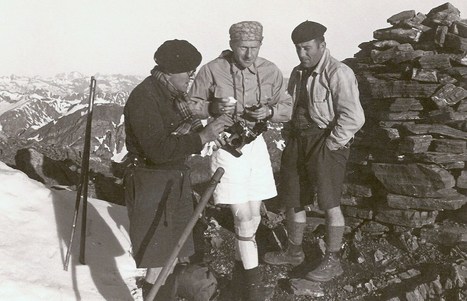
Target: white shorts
[[246, 178]]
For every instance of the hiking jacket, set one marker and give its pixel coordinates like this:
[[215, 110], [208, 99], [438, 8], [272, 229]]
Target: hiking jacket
[[333, 99]]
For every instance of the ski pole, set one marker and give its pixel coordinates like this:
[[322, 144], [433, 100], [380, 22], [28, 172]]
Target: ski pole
[[188, 228], [82, 190]]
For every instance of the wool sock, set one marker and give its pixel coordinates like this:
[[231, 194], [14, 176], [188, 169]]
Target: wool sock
[[334, 237], [295, 232]]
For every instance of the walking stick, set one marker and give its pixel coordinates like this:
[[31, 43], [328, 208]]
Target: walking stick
[[82, 190], [188, 228]]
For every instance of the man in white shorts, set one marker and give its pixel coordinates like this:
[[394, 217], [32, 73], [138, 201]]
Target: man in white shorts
[[246, 90]]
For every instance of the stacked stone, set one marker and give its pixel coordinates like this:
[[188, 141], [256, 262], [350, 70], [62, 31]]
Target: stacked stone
[[408, 161]]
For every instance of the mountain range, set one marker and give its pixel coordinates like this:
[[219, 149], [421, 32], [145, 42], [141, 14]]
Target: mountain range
[[52, 112]]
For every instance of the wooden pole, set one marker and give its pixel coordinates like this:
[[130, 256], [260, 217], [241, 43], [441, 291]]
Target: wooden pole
[[188, 228]]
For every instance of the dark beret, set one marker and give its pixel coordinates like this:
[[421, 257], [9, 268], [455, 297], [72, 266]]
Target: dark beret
[[177, 56], [307, 31]]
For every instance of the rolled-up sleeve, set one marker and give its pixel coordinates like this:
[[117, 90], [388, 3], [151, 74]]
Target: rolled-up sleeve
[[199, 93], [347, 107]]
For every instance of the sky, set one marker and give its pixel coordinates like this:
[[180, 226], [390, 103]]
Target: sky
[[120, 37], [32, 215]]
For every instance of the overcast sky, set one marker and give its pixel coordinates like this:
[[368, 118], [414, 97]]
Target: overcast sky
[[120, 36]]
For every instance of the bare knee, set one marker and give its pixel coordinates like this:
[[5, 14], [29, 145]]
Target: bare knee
[[334, 217], [296, 214]]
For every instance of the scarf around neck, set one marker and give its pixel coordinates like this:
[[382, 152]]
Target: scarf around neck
[[189, 123]]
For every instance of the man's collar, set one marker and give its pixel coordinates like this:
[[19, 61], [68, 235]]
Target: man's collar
[[322, 62], [228, 55], [252, 68]]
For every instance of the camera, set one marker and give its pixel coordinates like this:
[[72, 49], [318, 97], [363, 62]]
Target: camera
[[242, 134]]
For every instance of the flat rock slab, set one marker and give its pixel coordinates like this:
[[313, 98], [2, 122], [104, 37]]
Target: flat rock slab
[[407, 202], [440, 129], [440, 158], [407, 218], [420, 180], [401, 88], [445, 234], [303, 287]]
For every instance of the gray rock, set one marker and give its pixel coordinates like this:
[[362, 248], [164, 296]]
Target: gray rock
[[45, 170], [413, 179], [303, 287]]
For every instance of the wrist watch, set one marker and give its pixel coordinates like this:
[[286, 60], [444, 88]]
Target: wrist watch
[[270, 112]]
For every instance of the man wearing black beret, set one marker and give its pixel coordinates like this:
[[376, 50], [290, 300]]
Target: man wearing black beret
[[160, 134], [326, 115]]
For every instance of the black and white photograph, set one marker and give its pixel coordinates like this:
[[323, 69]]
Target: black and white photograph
[[218, 150]]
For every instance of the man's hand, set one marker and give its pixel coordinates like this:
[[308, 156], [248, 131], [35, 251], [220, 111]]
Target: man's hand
[[212, 130], [261, 113], [223, 106], [220, 141]]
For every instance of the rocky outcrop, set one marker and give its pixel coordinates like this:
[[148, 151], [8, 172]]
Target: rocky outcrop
[[46, 170]]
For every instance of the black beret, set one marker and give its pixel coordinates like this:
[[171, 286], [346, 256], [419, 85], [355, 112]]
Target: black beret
[[307, 31], [177, 56]]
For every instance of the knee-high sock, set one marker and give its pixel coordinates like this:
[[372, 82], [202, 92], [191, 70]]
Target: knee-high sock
[[246, 243], [334, 237], [295, 232]]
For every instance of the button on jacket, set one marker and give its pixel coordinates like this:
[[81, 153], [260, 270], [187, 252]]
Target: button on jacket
[[333, 99], [216, 80]]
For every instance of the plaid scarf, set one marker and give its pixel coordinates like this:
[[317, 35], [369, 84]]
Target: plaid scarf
[[189, 123]]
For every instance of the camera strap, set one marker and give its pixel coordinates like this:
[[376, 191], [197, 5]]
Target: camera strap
[[234, 83]]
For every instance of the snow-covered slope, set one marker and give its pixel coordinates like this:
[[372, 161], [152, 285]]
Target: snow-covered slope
[[35, 226]]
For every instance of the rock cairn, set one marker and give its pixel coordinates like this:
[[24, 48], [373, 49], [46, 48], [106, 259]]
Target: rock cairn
[[408, 161]]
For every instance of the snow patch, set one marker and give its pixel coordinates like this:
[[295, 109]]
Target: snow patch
[[35, 227]]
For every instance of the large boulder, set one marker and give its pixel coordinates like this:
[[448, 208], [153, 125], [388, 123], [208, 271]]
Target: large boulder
[[45, 170]]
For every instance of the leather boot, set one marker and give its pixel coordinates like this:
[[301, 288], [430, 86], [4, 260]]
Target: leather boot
[[145, 288], [237, 284], [294, 254], [329, 268], [254, 287]]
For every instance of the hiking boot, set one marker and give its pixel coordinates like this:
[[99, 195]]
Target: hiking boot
[[145, 288], [329, 268], [284, 257], [254, 288], [237, 285], [294, 254], [167, 292]]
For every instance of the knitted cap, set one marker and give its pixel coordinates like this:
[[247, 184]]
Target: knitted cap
[[177, 56], [307, 31], [246, 31]]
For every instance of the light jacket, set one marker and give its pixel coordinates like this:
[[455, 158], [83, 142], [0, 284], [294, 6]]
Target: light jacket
[[333, 99], [261, 83]]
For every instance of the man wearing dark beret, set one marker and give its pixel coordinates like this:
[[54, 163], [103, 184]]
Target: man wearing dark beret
[[160, 134], [245, 90], [327, 113]]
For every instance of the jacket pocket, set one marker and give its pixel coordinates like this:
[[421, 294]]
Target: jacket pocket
[[323, 103]]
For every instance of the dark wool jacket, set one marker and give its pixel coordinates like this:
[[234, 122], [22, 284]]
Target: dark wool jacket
[[150, 118]]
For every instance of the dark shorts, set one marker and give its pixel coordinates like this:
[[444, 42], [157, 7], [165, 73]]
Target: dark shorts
[[308, 166]]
